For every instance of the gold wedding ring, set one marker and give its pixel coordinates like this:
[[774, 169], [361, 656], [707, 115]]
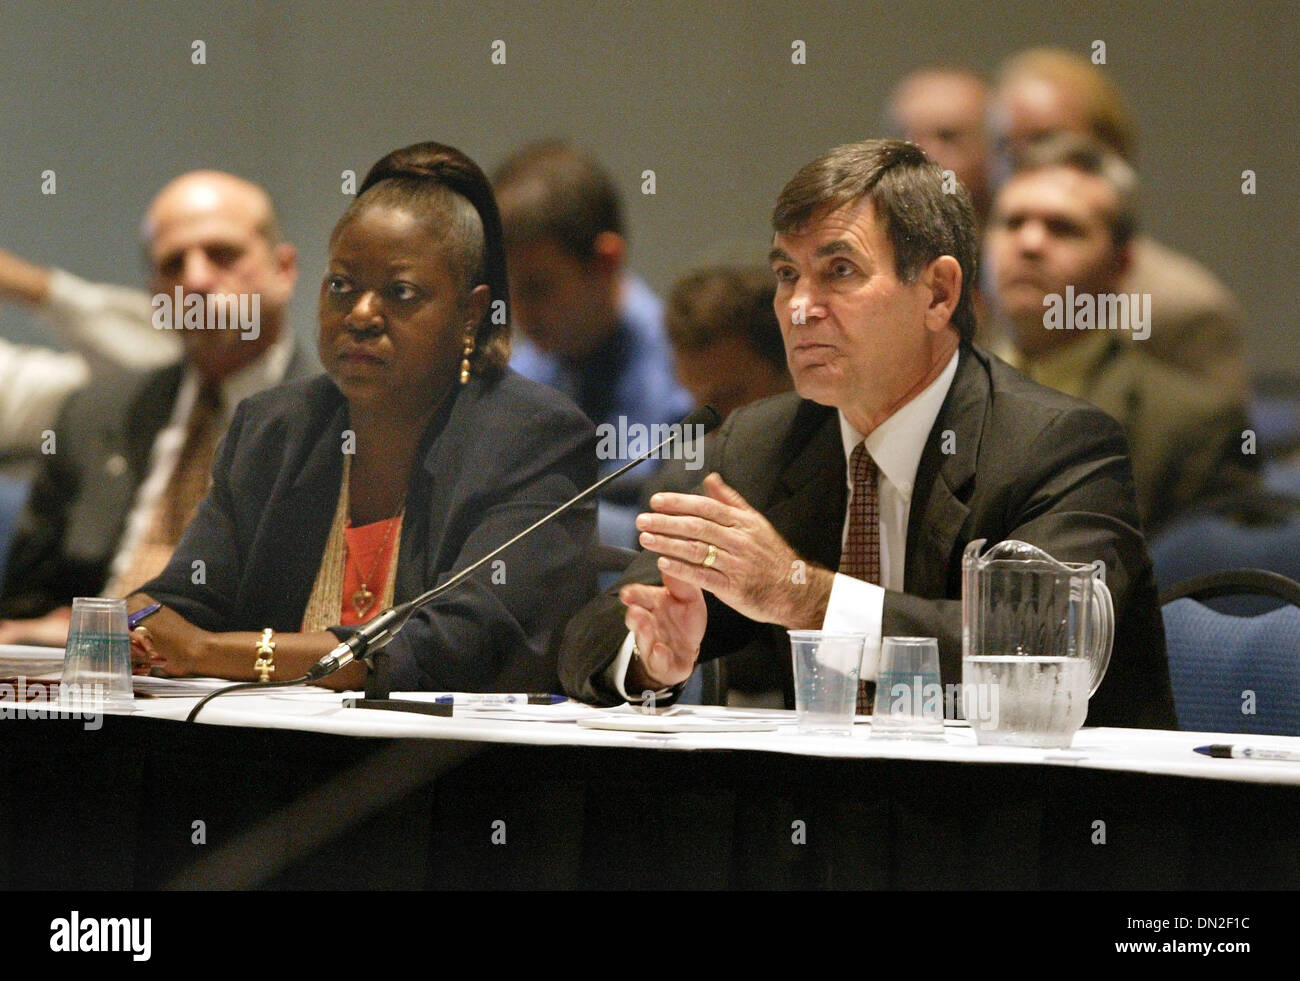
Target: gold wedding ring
[[711, 557]]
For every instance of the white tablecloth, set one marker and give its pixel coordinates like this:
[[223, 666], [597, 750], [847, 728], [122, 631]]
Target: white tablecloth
[[316, 710], [1136, 750]]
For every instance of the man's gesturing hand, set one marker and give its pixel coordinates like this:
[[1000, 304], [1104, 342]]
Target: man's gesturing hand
[[668, 622], [722, 544]]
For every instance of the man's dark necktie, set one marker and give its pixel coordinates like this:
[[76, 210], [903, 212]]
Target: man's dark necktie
[[861, 556]]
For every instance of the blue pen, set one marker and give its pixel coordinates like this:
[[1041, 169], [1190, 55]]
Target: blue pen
[[491, 698], [139, 616]]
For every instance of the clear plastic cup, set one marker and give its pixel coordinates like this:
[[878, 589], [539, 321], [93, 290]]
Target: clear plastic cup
[[826, 669], [909, 697], [97, 660]]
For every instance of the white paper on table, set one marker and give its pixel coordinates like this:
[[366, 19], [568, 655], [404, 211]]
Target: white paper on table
[[28, 661], [630, 718], [567, 711], [563, 712]]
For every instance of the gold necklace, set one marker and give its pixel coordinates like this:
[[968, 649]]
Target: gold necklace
[[327, 599], [363, 599]]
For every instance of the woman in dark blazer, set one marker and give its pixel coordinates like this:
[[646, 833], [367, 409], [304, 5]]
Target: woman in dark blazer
[[416, 454]]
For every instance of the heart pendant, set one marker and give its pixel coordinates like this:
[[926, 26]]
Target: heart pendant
[[362, 600]]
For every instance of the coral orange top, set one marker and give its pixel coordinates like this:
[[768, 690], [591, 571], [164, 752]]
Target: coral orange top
[[370, 553]]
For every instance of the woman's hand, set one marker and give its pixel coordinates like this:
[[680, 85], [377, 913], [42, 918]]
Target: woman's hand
[[168, 644]]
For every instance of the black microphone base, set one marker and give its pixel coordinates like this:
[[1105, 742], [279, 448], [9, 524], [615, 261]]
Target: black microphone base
[[400, 705], [376, 683]]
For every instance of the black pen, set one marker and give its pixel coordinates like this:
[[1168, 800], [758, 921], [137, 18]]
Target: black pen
[[1225, 751]]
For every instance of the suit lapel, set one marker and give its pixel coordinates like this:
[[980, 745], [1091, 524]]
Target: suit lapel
[[939, 498], [429, 504], [297, 524], [97, 521], [151, 408], [811, 495]]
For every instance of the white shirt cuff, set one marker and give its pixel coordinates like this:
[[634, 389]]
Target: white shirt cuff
[[616, 674], [858, 606]]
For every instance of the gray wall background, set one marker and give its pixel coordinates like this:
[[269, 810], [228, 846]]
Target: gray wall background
[[704, 94]]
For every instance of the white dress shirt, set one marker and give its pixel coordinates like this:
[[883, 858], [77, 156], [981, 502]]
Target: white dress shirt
[[111, 326], [896, 445], [261, 374], [107, 326]]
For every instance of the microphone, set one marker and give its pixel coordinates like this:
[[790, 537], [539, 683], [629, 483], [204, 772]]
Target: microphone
[[375, 635]]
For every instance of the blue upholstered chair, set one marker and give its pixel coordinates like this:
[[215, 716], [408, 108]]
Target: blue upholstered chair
[[1283, 477], [1231, 673], [1254, 530], [13, 495], [1274, 412]]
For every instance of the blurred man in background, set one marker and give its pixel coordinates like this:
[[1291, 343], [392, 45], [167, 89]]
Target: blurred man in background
[[1058, 248], [727, 347], [727, 350], [942, 110], [588, 327], [134, 451], [1196, 323]]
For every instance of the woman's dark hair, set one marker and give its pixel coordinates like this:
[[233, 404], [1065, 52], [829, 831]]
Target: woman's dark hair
[[452, 194]]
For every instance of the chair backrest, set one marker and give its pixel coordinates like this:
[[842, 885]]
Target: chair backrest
[[1274, 411], [1235, 582], [1237, 674], [13, 496], [1256, 530]]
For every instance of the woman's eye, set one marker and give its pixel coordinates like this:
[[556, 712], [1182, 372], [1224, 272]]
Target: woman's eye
[[336, 284], [402, 292]]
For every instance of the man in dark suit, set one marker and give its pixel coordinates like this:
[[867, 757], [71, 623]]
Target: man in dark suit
[[902, 444], [133, 451]]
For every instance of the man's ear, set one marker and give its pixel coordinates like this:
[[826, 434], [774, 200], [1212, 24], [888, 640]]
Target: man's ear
[[609, 253], [942, 279], [286, 264]]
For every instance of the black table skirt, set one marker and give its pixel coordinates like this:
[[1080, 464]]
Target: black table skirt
[[146, 804]]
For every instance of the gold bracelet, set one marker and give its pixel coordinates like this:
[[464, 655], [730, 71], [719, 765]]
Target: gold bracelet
[[265, 663]]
